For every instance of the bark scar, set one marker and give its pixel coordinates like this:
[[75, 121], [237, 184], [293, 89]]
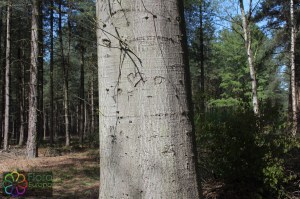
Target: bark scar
[[135, 79], [159, 80]]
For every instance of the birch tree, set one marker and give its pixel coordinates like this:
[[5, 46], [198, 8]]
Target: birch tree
[[293, 70], [32, 118], [247, 38], [146, 133], [7, 79]]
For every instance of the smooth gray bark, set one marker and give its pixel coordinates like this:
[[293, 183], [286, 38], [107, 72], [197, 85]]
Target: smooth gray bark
[[7, 80], [146, 134], [247, 38], [293, 71]]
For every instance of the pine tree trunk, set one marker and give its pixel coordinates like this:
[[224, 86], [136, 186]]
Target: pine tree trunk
[[2, 72], [146, 132], [65, 73], [7, 81], [82, 97], [45, 122], [56, 123], [3, 67], [247, 38], [92, 105], [293, 72], [85, 122], [77, 120], [51, 118], [22, 95], [66, 110], [32, 118], [40, 122], [66, 77], [13, 132]]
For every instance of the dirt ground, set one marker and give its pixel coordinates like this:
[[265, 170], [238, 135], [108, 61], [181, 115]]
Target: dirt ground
[[75, 174]]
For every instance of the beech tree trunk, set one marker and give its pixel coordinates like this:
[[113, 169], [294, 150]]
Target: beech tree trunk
[[7, 81], [293, 71], [32, 118], [247, 39], [146, 131]]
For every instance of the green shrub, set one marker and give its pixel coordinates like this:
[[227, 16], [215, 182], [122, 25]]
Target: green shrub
[[245, 151]]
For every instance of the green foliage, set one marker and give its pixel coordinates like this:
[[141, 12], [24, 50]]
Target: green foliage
[[227, 76], [229, 64], [229, 102], [245, 151]]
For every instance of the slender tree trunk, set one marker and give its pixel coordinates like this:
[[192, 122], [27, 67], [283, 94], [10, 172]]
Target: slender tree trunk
[[247, 38], [56, 124], [293, 71], [22, 95], [86, 129], [7, 80], [40, 122], [77, 120], [2, 82], [62, 56], [45, 121], [146, 135], [82, 97], [51, 72], [3, 66], [65, 73], [92, 105], [202, 86], [13, 124], [32, 118]]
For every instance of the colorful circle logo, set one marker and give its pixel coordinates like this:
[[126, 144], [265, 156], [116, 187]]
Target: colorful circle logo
[[14, 184]]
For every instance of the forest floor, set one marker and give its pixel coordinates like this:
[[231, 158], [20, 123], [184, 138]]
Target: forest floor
[[75, 174]]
